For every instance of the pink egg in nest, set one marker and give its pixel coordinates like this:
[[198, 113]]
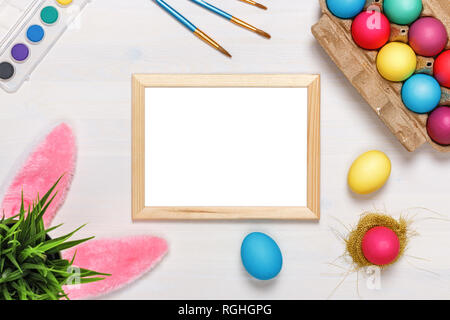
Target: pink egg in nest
[[428, 36], [438, 125], [380, 246]]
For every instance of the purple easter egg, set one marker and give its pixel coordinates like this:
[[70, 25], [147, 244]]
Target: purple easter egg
[[438, 125], [428, 36]]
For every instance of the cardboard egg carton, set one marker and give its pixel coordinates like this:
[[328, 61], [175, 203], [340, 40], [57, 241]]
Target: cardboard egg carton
[[359, 66]]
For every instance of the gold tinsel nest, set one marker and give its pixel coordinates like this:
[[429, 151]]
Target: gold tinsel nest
[[367, 222]]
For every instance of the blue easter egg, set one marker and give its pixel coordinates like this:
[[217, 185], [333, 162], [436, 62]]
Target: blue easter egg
[[261, 256], [421, 93], [346, 9]]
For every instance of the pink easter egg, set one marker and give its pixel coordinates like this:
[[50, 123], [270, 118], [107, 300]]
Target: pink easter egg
[[371, 30], [441, 69], [438, 125], [428, 36], [380, 245]]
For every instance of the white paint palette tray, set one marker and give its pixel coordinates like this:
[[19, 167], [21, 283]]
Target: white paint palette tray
[[28, 30]]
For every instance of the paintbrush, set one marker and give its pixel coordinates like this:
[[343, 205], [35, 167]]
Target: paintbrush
[[197, 32], [229, 17], [256, 4]]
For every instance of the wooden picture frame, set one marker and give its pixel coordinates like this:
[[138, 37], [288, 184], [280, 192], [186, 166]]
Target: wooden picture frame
[[142, 81]]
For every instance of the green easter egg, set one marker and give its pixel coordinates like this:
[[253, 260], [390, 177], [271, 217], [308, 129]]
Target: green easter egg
[[402, 12]]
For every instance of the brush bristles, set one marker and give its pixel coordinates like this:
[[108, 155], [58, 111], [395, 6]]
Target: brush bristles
[[225, 52], [263, 34], [260, 6]]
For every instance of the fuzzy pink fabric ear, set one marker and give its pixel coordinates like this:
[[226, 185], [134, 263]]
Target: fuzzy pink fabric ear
[[126, 259], [54, 156]]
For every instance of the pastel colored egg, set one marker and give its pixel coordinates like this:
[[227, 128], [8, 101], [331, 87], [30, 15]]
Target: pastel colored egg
[[380, 246], [261, 256], [442, 69], [402, 12], [421, 93], [371, 30], [428, 37], [345, 9], [396, 61], [369, 172], [438, 125]]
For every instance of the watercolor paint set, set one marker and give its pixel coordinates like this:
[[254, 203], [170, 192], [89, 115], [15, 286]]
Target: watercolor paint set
[[28, 30]]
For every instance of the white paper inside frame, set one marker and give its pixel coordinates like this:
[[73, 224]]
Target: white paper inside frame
[[226, 147]]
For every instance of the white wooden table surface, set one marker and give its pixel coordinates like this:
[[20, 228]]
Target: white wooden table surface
[[86, 80]]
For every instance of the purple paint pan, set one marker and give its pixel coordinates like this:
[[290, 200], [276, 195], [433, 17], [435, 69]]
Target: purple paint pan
[[20, 52]]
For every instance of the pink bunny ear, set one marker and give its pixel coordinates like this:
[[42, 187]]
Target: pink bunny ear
[[126, 259], [54, 156]]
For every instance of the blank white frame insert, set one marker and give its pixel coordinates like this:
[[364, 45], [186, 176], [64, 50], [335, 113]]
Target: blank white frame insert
[[226, 146]]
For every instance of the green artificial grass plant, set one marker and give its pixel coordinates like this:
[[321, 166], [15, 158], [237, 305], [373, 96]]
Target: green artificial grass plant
[[31, 266]]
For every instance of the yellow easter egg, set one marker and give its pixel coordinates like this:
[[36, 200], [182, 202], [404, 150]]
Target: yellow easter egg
[[369, 172], [396, 61]]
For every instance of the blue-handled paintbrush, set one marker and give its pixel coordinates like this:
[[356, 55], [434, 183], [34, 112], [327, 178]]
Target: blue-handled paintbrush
[[197, 32], [231, 18]]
